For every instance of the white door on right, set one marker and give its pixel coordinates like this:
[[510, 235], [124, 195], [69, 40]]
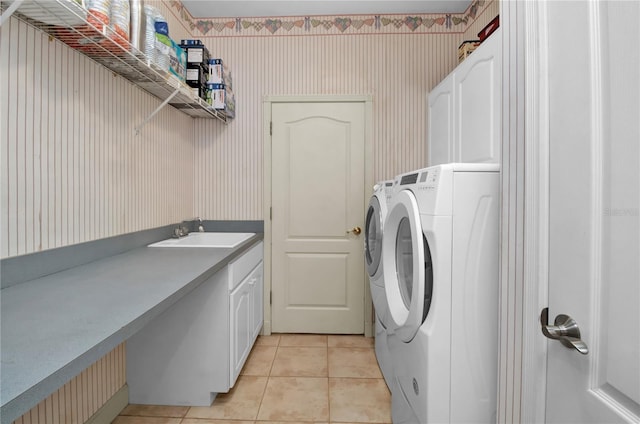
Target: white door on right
[[594, 231]]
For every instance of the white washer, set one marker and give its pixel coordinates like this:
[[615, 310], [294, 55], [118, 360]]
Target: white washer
[[374, 224], [440, 262]]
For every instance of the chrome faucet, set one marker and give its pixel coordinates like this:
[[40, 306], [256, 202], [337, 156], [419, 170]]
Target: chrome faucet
[[200, 226], [185, 227], [181, 230]]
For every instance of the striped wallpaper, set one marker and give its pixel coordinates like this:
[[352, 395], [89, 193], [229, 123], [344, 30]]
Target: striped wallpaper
[[84, 395], [73, 169], [397, 69]]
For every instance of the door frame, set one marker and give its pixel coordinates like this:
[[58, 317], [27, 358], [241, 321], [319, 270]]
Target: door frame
[[524, 284], [267, 103]]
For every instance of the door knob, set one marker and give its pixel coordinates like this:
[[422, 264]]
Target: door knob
[[565, 329], [355, 230]]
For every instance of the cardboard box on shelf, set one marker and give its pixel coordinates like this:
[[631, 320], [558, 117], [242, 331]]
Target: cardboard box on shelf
[[216, 95], [197, 53], [489, 28], [196, 74], [216, 71], [466, 48]]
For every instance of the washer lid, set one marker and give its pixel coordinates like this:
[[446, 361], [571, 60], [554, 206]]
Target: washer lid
[[373, 236], [407, 266]]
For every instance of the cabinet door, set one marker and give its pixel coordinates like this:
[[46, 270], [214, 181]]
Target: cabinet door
[[257, 298], [478, 104], [240, 326], [440, 123]]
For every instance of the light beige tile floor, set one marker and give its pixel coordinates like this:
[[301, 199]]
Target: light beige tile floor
[[291, 378]]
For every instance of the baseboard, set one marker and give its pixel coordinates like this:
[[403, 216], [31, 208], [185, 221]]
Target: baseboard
[[112, 408], [369, 329], [266, 328]]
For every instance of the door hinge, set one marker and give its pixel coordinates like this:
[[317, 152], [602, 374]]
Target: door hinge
[[270, 213], [270, 298], [270, 128]]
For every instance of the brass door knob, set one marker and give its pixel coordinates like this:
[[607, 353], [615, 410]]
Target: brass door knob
[[355, 230]]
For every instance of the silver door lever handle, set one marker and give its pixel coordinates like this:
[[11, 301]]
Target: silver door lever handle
[[565, 329]]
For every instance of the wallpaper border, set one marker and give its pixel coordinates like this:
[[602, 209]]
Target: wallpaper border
[[331, 25]]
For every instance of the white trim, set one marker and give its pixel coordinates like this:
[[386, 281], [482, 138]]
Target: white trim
[[112, 408], [512, 306], [595, 379], [266, 213], [536, 225], [267, 102], [603, 397], [319, 98]]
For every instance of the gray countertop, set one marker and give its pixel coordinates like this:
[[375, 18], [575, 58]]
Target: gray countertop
[[54, 327]]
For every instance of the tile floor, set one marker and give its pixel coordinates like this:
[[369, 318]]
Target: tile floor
[[291, 378]]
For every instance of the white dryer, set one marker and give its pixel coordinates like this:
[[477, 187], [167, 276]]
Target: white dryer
[[374, 224], [440, 261]]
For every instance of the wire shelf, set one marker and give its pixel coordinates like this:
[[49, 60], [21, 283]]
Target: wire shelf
[[72, 24]]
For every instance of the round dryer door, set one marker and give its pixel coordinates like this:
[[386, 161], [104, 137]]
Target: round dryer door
[[373, 236], [407, 266]]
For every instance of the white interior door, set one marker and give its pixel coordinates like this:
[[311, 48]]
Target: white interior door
[[318, 277], [594, 255]]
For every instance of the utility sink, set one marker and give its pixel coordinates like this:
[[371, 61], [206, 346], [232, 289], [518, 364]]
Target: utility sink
[[226, 240]]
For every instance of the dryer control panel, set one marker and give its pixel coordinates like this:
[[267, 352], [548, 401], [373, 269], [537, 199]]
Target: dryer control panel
[[429, 177]]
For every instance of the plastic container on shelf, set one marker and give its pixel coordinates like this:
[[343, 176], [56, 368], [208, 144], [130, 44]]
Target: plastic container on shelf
[[120, 21], [162, 43], [178, 61], [94, 37], [99, 13], [149, 40], [136, 30]]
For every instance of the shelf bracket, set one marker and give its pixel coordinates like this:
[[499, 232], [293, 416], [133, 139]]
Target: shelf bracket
[[12, 8], [150, 117]]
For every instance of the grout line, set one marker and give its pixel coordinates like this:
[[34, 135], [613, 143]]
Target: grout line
[[273, 361], [277, 346], [266, 384], [264, 392], [328, 385]]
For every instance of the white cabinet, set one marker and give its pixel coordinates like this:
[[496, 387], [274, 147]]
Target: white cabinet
[[464, 109], [246, 319], [197, 347], [440, 134]]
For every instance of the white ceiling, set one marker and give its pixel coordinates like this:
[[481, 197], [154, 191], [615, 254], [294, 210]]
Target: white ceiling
[[257, 8]]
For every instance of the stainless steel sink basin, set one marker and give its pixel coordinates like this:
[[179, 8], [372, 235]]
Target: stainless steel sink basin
[[226, 240]]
